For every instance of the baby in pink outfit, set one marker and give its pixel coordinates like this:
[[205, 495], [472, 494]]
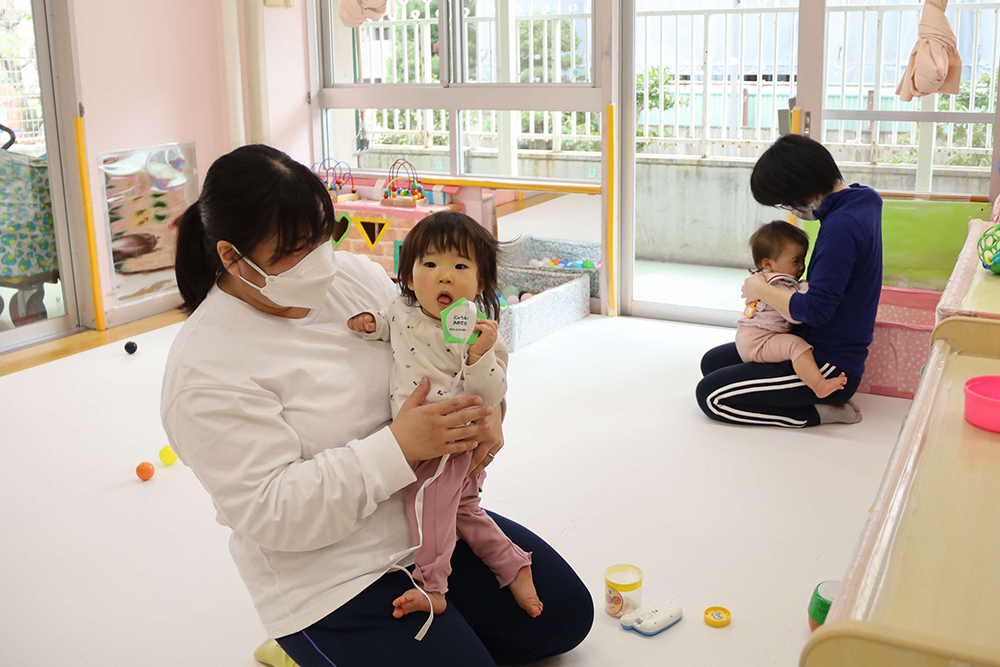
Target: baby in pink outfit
[[446, 257], [779, 251]]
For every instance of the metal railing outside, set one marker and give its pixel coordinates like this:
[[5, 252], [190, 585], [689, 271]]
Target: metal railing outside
[[709, 82]]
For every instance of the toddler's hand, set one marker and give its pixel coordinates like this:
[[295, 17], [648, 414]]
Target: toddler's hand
[[363, 323], [487, 339]]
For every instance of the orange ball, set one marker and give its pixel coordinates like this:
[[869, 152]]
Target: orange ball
[[145, 471]]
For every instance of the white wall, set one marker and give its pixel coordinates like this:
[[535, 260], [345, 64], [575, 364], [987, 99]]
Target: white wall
[[286, 45], [150, 72]]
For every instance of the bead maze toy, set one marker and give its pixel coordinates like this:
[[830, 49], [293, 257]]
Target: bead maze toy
[[989, 249], [404, 188], [336, 175]]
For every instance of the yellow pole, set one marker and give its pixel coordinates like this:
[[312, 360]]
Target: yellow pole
[[795, 125], [609, 124], [88, 220]]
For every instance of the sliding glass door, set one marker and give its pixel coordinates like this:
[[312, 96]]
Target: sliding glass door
[[36, 294], [705, 83]]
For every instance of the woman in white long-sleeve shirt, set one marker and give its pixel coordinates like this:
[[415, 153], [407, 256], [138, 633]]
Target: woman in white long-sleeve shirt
[[284, 416]]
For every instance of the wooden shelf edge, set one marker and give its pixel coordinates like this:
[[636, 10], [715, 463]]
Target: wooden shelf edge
[[830, 640]]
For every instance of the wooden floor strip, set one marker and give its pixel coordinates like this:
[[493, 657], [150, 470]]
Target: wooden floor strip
[[81, 342]]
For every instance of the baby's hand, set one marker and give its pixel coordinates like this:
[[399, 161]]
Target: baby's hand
[[363, 323], [487, 339]]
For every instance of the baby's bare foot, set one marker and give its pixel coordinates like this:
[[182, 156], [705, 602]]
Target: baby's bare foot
[[828, 386], [523, 589], [413, 600]]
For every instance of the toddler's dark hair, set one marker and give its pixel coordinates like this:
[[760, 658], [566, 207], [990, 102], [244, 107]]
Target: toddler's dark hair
[[768, 241], [450, 230]]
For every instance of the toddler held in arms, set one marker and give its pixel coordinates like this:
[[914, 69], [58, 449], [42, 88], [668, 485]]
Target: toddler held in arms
[[779, 251], [448, 256]]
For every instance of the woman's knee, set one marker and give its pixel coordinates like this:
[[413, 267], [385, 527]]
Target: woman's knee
[[579, 624], [703, 392], [719, 357]]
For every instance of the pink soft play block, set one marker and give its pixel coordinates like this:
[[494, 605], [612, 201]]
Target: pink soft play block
[[901, 342], [982, 402]]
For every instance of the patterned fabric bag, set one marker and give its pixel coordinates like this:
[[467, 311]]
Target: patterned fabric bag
[[27, 232]]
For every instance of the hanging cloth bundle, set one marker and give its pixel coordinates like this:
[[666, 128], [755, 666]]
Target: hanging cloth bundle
[[935, 65], [354, 12]]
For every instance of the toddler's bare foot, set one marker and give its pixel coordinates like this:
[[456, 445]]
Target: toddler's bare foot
[[413, 600], [830, 385], [523, 589]]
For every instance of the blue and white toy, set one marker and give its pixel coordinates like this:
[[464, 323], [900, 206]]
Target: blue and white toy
[[653, 618]]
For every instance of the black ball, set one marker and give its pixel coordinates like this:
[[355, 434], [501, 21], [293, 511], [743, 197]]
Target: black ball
[[131, 347]]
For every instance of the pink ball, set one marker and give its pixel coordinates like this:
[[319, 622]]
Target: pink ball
[[526, 296], [512, 299]]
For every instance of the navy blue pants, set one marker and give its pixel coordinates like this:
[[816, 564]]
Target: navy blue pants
[[482, 626], [735, 392]]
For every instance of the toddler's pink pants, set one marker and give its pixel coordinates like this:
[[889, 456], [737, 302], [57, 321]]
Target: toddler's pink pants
[[451, 508]]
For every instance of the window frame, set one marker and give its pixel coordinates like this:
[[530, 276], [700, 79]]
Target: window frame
[[820, 113], [456, 97]]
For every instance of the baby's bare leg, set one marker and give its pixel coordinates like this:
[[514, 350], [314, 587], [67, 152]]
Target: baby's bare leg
[[808, 371]]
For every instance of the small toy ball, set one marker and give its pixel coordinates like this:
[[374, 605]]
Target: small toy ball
[[168, 456], [563, 264], [989, 249], [145, 471], [526, 296], [503, 304], [553, 263], [512, 299], [535, 263], [717, 617], [546, 260], [509, 289], [589, 265], [575, 265], [131, 347]]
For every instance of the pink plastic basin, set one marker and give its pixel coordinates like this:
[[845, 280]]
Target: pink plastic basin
[[982, 402]]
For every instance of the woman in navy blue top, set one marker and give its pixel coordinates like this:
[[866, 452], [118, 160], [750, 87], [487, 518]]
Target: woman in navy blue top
[[799, 175]]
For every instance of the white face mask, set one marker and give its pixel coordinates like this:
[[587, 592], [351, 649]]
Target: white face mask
[[304, 285]]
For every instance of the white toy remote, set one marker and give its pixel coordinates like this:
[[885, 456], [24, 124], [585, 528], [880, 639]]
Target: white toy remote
[[652, 618]]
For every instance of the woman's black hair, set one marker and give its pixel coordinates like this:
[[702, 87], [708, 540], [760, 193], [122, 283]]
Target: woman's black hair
[[794, 171], [251, 194], [449, 230]]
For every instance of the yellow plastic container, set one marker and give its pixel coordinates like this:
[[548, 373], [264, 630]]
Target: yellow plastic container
[[622, 589]]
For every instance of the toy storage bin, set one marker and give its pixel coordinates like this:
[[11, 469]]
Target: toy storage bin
[[517, 253], [901, 342], [558, 301]]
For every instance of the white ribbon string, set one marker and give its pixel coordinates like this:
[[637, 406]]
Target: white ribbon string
[[418, 508]]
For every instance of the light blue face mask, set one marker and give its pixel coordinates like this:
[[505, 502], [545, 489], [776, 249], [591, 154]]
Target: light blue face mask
[[807, 213]]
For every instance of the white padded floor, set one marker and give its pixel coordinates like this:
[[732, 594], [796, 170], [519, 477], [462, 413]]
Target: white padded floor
[[608, 458]]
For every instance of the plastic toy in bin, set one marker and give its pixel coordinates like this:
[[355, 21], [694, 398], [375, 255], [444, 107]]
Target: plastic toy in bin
[[989, 249], [562, 264], [982, 402]]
